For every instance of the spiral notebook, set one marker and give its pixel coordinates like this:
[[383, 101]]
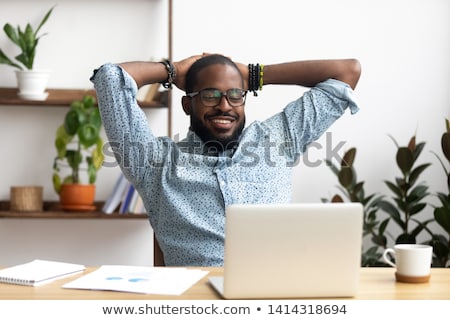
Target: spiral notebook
[[38, 272]]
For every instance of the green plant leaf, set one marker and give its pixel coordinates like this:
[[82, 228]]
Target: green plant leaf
[[412, 143], [405, 159], [442, 217], [415, 209], [383, 226], [56, 180], [44, 20], [420, 226], [97, 157], [345, 177], [88, 134], [379, 240], [445, 145], [441, 251], [5, 60], [415, 173], [74, 158], [417, 193], [418, 150], [11, 33], [394, 189], [95, 118], [405, 238], [73, 120], [349, 158], [60, 145], [88, 101], [358, 187], [401, 204], [392, 211]]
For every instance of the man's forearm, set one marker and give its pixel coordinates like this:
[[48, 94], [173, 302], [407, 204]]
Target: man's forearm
[[145, 72], [309, 73]]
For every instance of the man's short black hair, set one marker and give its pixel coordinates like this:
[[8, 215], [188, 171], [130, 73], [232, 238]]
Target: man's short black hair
[[206, 61]]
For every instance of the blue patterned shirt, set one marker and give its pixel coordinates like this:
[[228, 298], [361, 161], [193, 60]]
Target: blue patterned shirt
[[185, 190]]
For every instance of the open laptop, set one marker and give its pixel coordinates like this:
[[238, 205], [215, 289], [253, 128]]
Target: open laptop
[[291, 251]]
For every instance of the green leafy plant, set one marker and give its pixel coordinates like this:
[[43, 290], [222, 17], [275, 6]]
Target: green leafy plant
[[353, 190], [441, 243], [408, 193], [27, 40], [78, 142]]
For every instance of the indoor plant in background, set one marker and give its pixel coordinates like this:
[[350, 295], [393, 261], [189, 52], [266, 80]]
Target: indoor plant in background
[[407, 201], [441, 243], [31, 82], [353, 191], [79, 149], [408, 193]]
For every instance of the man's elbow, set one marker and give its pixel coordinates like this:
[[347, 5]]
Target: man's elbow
[[353, 72]]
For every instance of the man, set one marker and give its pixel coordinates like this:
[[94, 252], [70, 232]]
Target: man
[[186, 185]]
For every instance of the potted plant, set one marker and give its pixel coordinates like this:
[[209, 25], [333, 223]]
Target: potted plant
[[79, 148], [441, 242], [31, 83]]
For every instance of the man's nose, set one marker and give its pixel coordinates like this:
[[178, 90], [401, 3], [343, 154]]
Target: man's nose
[[224, 105]]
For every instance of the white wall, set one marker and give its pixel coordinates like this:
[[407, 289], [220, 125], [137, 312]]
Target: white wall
[[403, 46]]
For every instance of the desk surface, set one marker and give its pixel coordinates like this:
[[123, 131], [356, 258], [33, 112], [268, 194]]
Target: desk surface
[[375, 284]]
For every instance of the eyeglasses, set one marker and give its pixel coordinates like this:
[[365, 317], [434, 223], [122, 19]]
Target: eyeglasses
[[212, 97]]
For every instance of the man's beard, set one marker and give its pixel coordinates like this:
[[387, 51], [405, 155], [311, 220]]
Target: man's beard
[[214, 142]]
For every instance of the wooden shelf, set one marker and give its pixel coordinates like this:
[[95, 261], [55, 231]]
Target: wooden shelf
[[58, 98], [52, 210]]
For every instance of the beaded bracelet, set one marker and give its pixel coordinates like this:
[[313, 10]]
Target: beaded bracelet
[[171, 74], [261, 77], [254, 80]]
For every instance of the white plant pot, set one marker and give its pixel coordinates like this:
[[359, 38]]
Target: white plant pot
[[32, 84]]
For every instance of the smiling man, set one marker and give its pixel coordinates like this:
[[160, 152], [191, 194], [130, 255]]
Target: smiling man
[[186, 185]]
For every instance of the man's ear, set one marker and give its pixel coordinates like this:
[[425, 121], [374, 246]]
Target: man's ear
[[186, 103]]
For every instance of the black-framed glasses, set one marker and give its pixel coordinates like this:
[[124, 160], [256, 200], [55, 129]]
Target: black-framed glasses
[[211, 97]]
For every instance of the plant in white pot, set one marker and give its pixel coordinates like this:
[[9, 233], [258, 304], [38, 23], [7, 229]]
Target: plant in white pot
[[31, 83], [79, 149]]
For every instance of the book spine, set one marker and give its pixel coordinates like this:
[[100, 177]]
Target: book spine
[[21, 282]]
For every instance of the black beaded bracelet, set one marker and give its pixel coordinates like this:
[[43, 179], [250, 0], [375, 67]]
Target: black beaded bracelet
[[254, 72], [171, 74]]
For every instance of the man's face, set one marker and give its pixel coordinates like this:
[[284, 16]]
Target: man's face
[[218, 126]]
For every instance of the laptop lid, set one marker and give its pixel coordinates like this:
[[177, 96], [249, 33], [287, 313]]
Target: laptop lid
[[292, 250]]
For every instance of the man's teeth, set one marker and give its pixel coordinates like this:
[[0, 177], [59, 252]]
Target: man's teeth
[[221, 121]]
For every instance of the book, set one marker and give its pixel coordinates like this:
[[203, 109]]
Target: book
[[124, 207], [38, 272], [117, 195]]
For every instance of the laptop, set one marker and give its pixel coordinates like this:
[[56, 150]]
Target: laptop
[[291, 251]]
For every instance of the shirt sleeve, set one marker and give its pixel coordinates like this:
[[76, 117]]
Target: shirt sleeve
[[308, 117], [129, 135]]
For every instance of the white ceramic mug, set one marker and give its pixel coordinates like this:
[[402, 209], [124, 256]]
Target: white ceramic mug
[[412, 262]]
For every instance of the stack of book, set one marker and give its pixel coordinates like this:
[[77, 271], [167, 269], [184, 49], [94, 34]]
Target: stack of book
[[124, 199]]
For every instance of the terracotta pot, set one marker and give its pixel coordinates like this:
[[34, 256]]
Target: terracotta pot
[[77, 197]]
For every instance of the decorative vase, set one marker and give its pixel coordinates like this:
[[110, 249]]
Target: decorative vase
[[32, 84], [77, 197]]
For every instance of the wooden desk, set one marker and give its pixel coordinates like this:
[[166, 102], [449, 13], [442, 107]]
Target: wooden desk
[[376, 284]]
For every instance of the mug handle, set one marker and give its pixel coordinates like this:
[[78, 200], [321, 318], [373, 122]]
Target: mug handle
[[386, 258]]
